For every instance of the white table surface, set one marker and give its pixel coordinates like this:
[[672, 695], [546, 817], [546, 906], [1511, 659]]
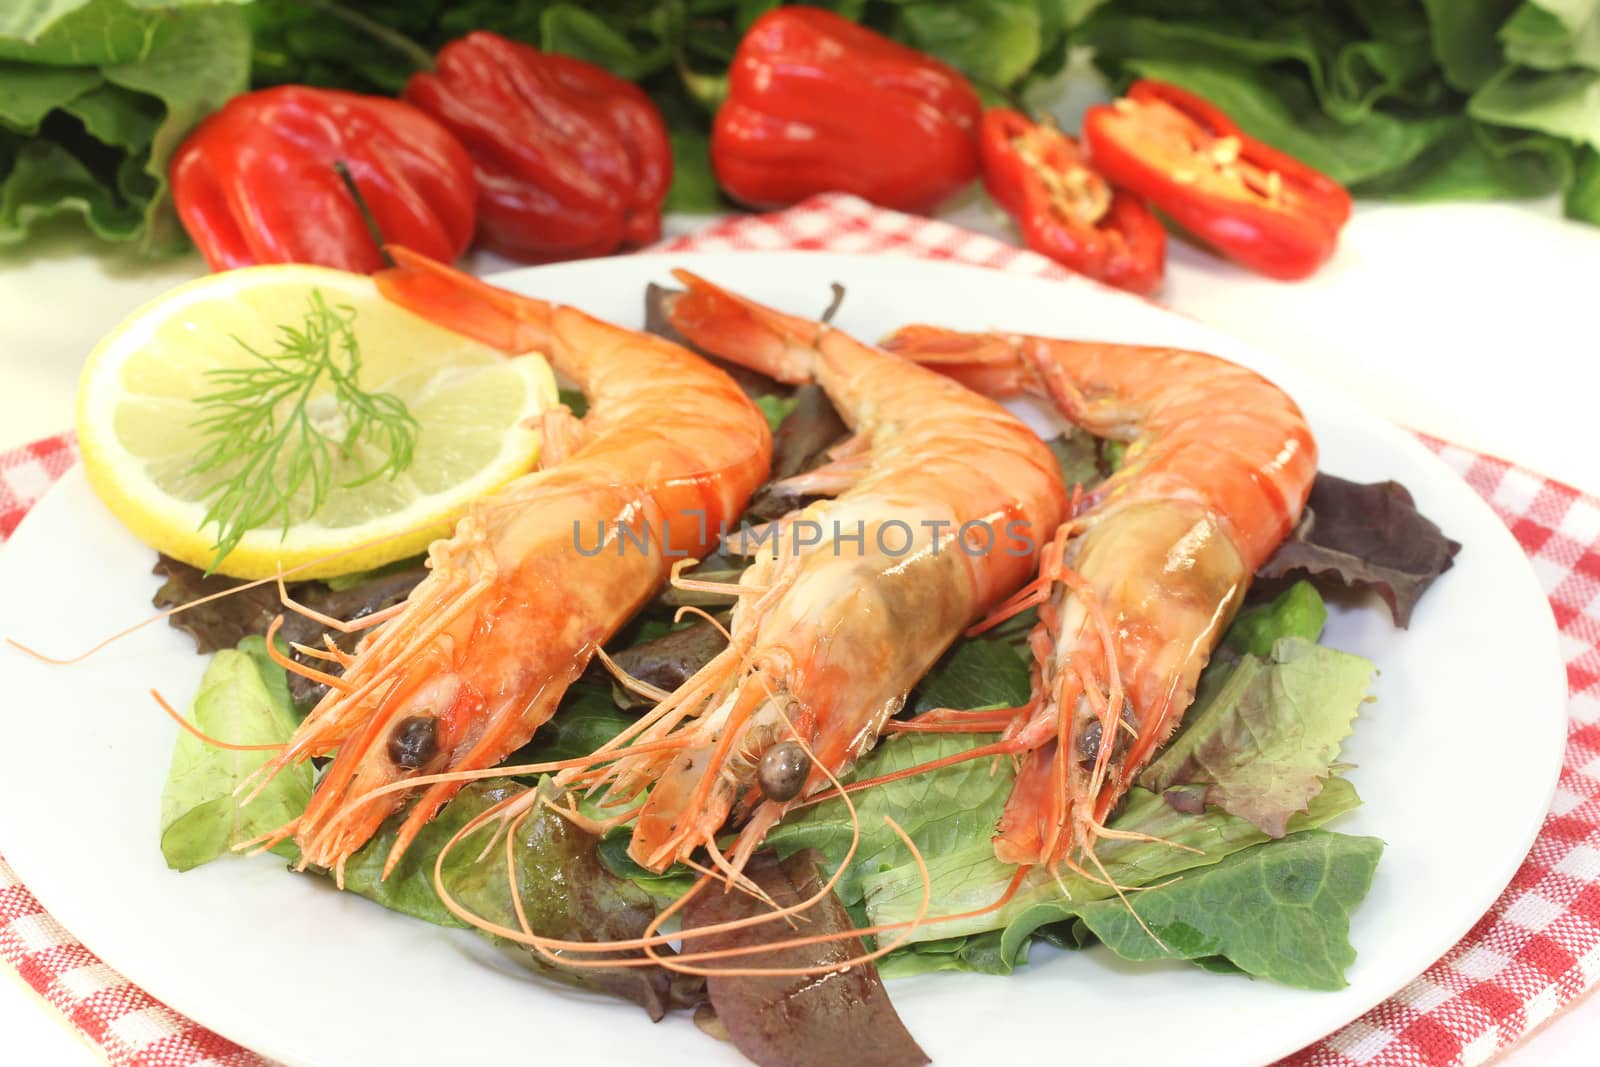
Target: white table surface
[[1473, 322]]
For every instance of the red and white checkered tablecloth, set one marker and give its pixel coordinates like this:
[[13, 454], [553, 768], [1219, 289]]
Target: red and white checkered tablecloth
[[1536, 950]]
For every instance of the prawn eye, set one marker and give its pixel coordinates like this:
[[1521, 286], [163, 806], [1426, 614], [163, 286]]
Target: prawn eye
[[413, 741], [783, 770], [1089, 742]]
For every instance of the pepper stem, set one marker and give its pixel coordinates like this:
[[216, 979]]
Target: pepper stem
[[419, 56], [366, 212]]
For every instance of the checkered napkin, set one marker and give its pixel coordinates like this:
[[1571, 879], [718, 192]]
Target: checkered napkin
[[1536, 950]]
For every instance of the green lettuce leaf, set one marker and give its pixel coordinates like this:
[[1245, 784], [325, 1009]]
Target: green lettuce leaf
[[969, 877], [1078, 456], [995, 42], [1554, 34], [1279, 911], [556, 871], [1298, 611], [694, 187], [587, 719], [91, 33], [94, 99], [1464, 38], [978, 673], [243, 699], [1564, 104], [1263, 737], [1375, 94], [1301, 702], [943, 811], [1583, 195]]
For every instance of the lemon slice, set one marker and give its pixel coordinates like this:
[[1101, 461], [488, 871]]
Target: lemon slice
[[137, 409]]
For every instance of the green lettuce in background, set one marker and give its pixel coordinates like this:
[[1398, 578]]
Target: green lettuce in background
[[95, 96], [1406, 99]]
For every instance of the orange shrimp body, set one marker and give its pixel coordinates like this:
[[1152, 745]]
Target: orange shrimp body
[[935, 501], [1139, 585], [534, 579]]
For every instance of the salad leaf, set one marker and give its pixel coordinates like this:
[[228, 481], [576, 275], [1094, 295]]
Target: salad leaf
[[223, 623], [1278, 911], [667, 661], [1263, 736], [1366, 536], [566, 891], [1553, 34], [1564, 103], [1302, 700], [775, 408], [98, 96], [586, 719], [804, 1020], [243, 699], [1463, 37], [975, 673], [1437, 100], [694, 188], [975, 953], [807, 428], [968, 877], [1078, 455], [1583, 195], [1298, 611], [942, 811], [996, 42], [574, 31]]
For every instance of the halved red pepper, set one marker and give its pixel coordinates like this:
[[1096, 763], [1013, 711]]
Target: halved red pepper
[[1258, 206], [255, 182], [572, 161], [817, 103], [1065, 210]]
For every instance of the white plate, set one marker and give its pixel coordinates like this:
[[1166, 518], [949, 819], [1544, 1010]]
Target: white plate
[[1456, 761]]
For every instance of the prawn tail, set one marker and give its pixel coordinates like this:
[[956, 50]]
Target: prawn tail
[[460, 302], [988, 363], [734, 328]]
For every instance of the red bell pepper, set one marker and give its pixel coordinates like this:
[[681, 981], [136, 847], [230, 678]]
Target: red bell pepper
[[1253, 203], [572, 161], [255, 182], [817, 103], [1065, 210]]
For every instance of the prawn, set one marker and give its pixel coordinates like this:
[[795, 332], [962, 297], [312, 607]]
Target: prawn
[[1137, 587], [926, 524], [516, 603]]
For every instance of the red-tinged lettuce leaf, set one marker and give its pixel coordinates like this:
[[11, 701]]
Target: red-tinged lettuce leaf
[[224, 622], [221, 623], [1262, 738], [567, 892], [797, 1021], [800, 443], [1369, 537], [668, 661]]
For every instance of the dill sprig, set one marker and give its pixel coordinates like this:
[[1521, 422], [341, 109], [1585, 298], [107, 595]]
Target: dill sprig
[[265, 440]]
